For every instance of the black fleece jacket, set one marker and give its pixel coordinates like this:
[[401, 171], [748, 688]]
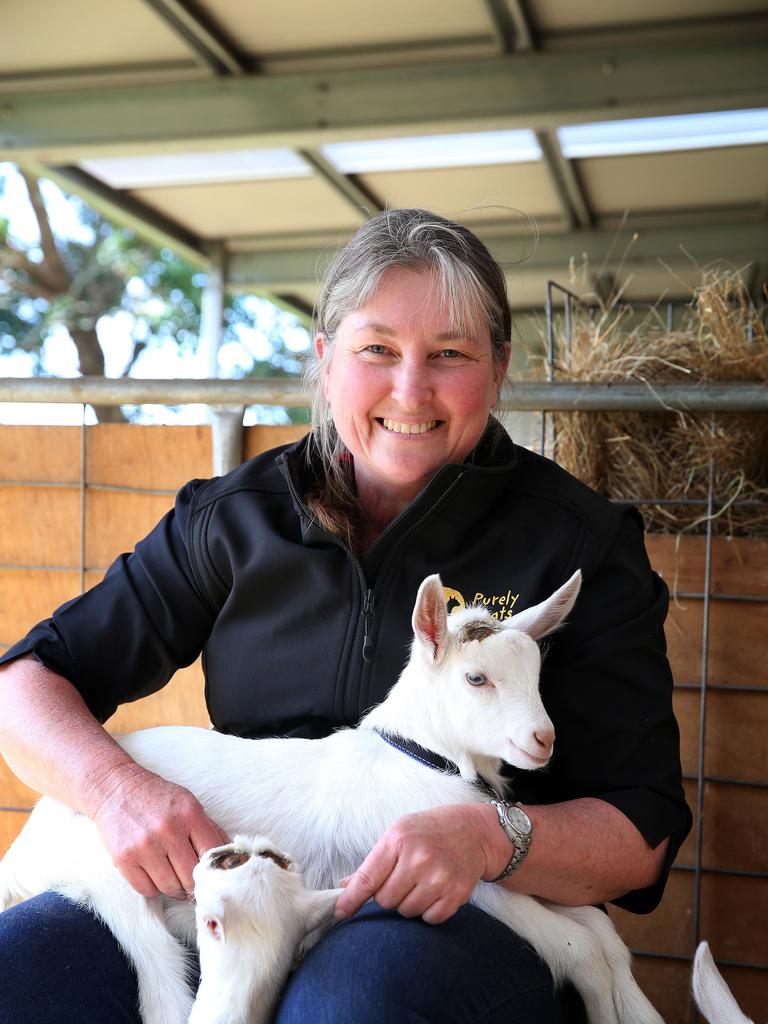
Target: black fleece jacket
[[299, 636]]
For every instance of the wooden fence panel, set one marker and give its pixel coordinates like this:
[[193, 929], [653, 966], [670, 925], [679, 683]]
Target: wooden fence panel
[[40, 453], [131, 476]]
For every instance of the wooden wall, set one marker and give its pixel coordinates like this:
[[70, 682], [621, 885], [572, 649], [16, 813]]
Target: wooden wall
[[733, 884], [132, 473]]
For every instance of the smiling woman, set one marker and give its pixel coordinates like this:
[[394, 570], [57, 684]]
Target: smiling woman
[[296, 574], [413, 330]]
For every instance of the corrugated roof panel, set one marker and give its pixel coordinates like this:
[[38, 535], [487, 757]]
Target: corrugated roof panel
[[416, 152], [665, 134], [505, 193], [197, 168], [683, 181], [48, 36], [254, 208], [274, 26]]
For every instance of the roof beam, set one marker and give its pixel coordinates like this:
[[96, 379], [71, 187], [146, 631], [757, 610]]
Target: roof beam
[[207, 43], [284, 269], [565, 180], [510, 23], [536, 90], [513, 27], [360, 199]]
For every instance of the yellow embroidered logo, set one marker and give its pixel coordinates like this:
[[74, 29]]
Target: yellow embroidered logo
[[453, 599], [500, 606]]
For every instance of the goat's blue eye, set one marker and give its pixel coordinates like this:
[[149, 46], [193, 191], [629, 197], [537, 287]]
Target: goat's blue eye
[[476, 678]]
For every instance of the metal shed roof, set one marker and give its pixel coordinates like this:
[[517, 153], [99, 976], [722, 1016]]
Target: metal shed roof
[[217, 127]]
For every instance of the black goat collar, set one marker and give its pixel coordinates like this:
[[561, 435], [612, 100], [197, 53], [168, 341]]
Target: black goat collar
[[430, 758], [419, 753]]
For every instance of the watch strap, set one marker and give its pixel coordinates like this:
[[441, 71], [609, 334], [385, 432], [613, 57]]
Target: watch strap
[[520, 842]]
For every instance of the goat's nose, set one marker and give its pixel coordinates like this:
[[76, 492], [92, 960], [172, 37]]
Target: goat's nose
[[544, 737]]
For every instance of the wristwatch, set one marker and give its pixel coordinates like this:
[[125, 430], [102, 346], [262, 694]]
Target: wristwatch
[[519, 830]]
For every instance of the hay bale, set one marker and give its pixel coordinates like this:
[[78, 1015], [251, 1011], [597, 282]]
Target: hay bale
[[669, 456]]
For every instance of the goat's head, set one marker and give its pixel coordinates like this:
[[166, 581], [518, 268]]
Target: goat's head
[[252, 891], [484, 674]]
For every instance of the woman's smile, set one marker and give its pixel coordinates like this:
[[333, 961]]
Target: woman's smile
[[411, 429]]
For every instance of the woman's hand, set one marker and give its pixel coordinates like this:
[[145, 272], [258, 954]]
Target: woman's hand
[[425, 864], [154, 831]]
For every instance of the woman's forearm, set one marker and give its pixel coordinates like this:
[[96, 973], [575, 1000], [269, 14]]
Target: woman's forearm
[[153, 829], [52, 742], [583, 852]]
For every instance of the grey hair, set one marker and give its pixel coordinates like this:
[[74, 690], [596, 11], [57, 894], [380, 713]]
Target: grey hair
[[466, 276]]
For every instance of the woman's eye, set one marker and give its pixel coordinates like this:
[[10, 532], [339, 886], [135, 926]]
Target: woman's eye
[[476, 678], [376, 350]]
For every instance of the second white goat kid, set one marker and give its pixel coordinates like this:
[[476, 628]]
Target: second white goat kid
[[469, 693], [252, 911]]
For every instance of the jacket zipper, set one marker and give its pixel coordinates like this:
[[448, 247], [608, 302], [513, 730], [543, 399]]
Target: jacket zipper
[[368, 613], [368, 599]]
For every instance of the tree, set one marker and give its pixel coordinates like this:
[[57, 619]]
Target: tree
[[79, 283]]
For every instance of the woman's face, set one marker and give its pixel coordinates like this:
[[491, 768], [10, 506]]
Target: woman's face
[[408, 395]]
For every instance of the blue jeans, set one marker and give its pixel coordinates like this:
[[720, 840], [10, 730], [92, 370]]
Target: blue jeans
[[59, 965]]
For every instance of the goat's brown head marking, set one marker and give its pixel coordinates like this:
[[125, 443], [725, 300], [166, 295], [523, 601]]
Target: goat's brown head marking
[[477, 629], [225, 860], [282, 862]]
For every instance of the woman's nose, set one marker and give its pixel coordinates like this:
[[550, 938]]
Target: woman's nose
[[411, 388]]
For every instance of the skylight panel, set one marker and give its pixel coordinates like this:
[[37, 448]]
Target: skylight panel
[[169, 169], [470, 149], [665, 134]]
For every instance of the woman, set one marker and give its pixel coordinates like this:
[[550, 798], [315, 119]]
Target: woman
[[295, 574]]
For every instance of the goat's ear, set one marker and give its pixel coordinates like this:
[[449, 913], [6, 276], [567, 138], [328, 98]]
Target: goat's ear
[[430, 618], [319, 907], [214, 927], [212, 920], [544, 618]]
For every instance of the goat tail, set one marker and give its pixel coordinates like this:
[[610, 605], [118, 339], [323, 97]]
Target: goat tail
[[712, 995]]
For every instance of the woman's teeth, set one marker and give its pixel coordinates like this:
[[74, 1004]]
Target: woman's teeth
[[409, 428]]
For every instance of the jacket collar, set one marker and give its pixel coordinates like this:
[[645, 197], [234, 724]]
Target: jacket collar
[[478, 480]]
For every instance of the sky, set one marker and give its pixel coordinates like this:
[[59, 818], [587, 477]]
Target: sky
[[159, 362]]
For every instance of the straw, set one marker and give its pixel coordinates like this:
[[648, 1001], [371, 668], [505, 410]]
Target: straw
[[667, 456]]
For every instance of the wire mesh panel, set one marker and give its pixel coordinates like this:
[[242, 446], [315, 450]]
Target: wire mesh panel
[[717, 627]]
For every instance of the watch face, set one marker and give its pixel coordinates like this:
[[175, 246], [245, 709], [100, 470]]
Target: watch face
[[519, 820]]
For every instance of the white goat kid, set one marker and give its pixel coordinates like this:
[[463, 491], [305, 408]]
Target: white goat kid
[[252, 911], [712, 995], [469, 693]]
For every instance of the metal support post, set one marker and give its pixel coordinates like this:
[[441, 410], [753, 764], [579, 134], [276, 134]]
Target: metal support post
[[227, 420], [226, 438]]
